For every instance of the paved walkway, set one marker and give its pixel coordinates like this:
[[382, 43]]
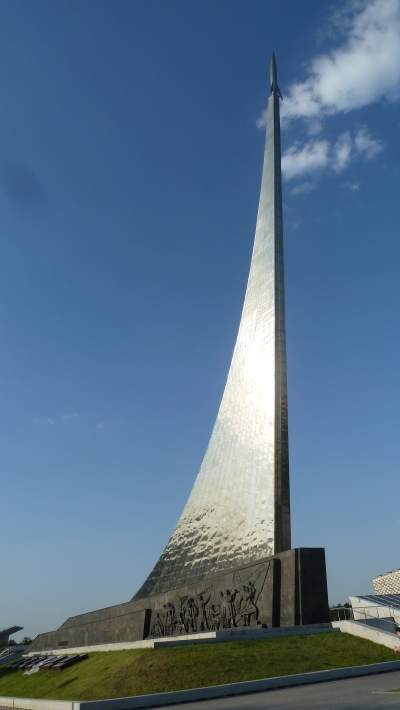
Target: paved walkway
[[366, 693]]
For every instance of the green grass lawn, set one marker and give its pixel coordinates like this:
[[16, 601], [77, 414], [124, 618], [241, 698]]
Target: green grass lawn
[[119, 673]]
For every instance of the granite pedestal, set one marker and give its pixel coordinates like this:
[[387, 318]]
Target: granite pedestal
[[288, 589]]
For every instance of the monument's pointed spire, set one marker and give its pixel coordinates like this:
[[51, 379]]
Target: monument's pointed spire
[[273, 76], [273, 72], [238, 511]]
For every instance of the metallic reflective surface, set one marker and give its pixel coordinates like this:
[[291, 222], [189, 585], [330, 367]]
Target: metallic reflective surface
[[239, 509]]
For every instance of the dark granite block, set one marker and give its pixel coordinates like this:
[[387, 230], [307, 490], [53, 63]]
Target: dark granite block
[[285, 590]]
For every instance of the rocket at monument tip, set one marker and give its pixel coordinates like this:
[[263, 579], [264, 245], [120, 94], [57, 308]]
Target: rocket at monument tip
[[273, 76]]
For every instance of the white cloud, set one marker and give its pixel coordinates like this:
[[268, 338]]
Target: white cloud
[[363, 69], [314, 156], [342, 152], [261, 121], [308, 158], [314, 126], [58, 419], [303, 188], [100, 425], [366, 145], [71, 416], [44, 420], [352, 186]]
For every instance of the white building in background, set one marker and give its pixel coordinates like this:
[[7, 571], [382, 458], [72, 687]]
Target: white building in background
[[381, 609], [377, 610], [388, 583]]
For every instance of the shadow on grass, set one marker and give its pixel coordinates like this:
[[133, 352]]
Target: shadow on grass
[[67, 682]]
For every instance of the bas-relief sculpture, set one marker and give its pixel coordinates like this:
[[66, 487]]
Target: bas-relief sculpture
[[213, 608]]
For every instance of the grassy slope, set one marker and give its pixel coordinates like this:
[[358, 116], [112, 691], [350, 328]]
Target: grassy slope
[[122, 673]]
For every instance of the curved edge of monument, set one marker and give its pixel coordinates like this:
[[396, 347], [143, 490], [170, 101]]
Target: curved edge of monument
[[288, 589]]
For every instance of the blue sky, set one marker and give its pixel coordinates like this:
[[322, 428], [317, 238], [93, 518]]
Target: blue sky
[[130, 166]]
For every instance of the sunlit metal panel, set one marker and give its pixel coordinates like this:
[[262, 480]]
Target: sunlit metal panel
[[239, 508]]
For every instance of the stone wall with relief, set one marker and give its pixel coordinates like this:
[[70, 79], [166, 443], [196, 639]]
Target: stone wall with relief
[[239, 598], [287, 589]]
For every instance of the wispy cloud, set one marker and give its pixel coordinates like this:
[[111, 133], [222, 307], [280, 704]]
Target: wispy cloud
[[366, 145], [56, 419], [352, 186], [316, 155], [342, 152], [50, 421], [303, 188], [364, 68], [71, 416], [307, 158], [314, 127]]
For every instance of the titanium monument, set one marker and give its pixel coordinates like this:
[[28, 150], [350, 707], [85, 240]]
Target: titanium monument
[[239, 508], [229, 561]]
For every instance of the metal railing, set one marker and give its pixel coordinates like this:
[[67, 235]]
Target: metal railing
[[377, 616], [10, 652], [341, 613]]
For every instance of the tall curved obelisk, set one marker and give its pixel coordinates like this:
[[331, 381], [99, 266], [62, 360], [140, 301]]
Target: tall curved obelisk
[[229, 560], [239, 507]]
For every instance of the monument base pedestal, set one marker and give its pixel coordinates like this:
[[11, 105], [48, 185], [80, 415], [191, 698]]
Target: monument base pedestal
[[288, 589]]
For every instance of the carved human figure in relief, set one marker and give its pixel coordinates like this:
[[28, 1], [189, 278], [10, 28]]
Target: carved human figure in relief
[[192, 613], [228, 608], [182, 624], [158, 627], [222, 611], [231, 607], [170, 619], [249, 607], [215, 617], [204, 624]]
